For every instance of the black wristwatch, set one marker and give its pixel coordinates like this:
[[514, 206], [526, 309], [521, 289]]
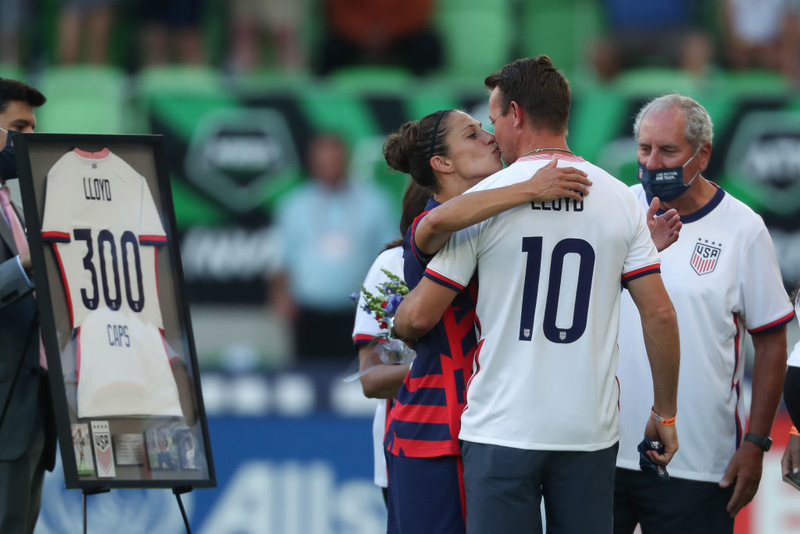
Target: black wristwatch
[[764, 443]]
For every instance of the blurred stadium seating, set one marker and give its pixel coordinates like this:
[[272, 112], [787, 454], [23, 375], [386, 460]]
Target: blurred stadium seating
[[88, 99]]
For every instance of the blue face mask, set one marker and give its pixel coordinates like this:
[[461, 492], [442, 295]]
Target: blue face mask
[[666, 183], [8, 163]]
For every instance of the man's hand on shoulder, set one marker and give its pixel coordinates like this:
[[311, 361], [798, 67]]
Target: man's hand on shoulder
[[552, 182]]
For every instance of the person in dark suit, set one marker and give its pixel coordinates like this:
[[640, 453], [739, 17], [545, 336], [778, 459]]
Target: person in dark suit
[[27, 435]]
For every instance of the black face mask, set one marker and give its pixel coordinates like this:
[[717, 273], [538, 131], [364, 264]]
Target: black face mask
[[8, 163], [666, 183]]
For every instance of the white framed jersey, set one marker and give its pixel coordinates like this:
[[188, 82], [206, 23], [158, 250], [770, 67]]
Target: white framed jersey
[[724, 281], [104, 228], [549, 277], [365, 329]]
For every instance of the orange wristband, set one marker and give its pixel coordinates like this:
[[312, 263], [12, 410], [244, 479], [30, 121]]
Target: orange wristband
[[793, 432], [666, 421]]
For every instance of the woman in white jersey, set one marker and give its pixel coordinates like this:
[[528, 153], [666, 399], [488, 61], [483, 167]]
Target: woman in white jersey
[[381, 380], [790, 463]]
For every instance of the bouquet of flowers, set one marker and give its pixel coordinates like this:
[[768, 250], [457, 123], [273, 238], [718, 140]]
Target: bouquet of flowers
[[383, 306]]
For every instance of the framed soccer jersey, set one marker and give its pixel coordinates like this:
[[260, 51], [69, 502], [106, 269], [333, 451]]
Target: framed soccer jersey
[[115, 328]]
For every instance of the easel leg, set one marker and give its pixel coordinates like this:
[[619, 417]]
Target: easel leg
[[92, 491], [178, 491]]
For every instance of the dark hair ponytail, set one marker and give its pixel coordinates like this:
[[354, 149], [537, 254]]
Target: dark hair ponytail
[[411, 147], [414, 202]]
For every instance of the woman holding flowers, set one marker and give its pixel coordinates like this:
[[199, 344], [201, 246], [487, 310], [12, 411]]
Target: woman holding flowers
[[790, 462], [447, 152], [379, 377]]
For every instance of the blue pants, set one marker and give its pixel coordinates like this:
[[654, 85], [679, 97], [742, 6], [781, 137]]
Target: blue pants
[[426, 495]]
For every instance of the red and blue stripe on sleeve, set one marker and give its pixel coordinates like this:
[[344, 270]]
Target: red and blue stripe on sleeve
[[642, 271], [786, 319]]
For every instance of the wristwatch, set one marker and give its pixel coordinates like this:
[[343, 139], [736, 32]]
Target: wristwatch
[[764, 443]]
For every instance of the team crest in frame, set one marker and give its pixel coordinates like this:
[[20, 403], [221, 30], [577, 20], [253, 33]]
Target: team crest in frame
[[705, 256]]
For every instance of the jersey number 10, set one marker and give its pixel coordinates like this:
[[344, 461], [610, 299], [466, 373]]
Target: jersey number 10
[[106, 239], [533, 247]]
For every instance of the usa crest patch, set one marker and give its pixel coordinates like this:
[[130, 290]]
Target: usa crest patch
[[705, 256]]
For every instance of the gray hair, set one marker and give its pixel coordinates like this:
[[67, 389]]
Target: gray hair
[[699, 128]]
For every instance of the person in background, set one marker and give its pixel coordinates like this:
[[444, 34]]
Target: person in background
[[253, 20], [27, 429], [330, 228], [14, 24], [379, 32], [790, 462], [723, 278], [172, 28], [764, 34], [90, 19], [644, 34]]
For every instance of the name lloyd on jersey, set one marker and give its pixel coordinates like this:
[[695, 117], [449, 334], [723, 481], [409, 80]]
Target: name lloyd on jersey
[[118, 335], [558, 205], [97, 189]]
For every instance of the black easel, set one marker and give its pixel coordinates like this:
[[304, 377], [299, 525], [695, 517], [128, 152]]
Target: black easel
[[90, 491], [177, 491]]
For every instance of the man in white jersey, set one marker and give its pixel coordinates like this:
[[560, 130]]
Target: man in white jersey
[[723, 278], [541, 415]]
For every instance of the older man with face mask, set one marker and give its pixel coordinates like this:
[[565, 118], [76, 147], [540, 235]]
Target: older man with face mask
[[27, 435], [723, 279]]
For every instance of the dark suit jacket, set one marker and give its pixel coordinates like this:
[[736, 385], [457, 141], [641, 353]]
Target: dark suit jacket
[[19, 331]]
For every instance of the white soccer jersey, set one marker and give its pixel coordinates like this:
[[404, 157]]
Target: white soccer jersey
[[794, 357], [723, 278], [365, 329], [104, 227], [548, 297]]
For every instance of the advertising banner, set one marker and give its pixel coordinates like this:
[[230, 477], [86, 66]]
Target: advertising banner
[[313, 475], [232, 158]]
